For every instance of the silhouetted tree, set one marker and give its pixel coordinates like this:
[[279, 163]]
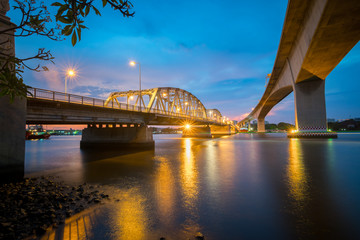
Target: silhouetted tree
[[285, 126], [37, 20]]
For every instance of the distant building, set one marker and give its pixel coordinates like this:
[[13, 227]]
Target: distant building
[[266, 122], [357, 119], [331, 120]]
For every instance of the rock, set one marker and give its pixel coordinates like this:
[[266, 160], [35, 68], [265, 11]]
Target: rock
[[6, 224], [199, 236], [68, 214], [41, 230]]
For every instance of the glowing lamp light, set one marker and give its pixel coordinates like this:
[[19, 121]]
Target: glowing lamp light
[[293, 131], [187, 126], [71, 73], [131, 97], [186, 103], [164, 94], [178, 109], [132, 63]]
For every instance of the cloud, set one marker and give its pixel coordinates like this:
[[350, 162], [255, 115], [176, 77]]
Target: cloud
[[51, 78], [93, 91], [240, 117]]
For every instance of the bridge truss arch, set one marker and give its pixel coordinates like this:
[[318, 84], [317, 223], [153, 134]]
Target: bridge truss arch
[[163, 100]]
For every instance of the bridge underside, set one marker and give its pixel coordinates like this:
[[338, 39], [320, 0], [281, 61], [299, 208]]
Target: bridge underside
[[316, 36]]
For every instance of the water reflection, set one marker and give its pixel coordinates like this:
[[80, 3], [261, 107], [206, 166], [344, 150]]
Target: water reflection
[[78, 227], [296, 173], [189, 186], [227, 165], [239, 187], [110, 166], [165, 192], [130, 217], [212, 169]]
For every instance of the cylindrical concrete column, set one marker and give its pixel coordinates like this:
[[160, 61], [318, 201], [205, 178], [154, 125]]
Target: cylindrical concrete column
[[261, 125]]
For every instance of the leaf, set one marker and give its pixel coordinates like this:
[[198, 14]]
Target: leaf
[[104, 3], [64, 20], [67, 30], [87, 10], [57, 4], [79, 33], [96, 11], [74, 38], [60, 11]]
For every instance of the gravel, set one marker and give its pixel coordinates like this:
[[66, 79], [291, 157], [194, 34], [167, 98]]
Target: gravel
[[28, 208]]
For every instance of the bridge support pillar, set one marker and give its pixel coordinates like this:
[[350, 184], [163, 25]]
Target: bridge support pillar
[[12, 138], [260, 125], [310, 110], [12, 117], [220, 130], [233, 130], [129, 137], [249, 126], [197, 132]]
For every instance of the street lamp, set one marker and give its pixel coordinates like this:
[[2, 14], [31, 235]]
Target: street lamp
[[70, 73], [133, 63]]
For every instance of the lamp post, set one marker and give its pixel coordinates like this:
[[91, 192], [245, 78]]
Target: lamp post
[[133, 63], [69, 74]]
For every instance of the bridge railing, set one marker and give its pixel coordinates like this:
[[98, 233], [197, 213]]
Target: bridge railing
[[39, 93]]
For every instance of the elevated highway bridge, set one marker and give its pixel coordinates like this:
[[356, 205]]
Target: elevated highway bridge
[[316, 36]]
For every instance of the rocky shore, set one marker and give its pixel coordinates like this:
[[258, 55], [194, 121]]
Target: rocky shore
[[28, 208]]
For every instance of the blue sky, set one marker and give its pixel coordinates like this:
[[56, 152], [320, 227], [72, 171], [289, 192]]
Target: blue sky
[[220, 51]]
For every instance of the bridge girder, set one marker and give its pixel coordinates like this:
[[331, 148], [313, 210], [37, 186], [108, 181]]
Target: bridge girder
[[164, 100]]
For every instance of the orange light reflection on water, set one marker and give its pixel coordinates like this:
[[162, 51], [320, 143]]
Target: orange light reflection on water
[[165, 191], [130, 218], [189, 186], [296, 172]]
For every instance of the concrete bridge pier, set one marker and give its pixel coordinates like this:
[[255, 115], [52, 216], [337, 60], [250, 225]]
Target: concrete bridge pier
[[260, 125], [117, 137], [310, 110], [12, 115], [197, 132], [233, 130], [220, 130], [249, 126]]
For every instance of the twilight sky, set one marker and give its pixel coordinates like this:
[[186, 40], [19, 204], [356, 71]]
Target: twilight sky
[[220, 51]]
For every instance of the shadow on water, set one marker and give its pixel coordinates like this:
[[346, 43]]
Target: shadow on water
[[106, 166]]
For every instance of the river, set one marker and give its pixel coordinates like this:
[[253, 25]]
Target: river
[[244, 186]]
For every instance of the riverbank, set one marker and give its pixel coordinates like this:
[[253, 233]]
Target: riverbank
[[29, 207]]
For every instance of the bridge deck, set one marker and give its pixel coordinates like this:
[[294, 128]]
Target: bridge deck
[[51, 107]]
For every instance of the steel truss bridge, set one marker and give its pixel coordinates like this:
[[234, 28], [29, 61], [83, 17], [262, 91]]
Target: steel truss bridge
[[159, 106]]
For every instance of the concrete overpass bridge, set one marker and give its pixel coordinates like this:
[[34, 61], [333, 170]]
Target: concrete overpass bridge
[[123, 118], [316, 36]]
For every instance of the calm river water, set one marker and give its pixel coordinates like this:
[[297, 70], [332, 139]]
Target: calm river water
[[244, 186]]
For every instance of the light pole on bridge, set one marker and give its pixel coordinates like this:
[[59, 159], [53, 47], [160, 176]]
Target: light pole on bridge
[[133, 63]]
